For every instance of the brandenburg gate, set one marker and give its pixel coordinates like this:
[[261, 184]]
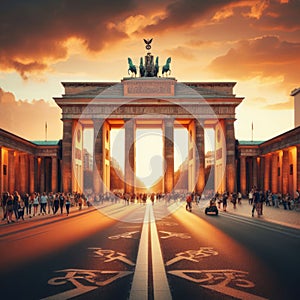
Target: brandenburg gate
[[148, 101]]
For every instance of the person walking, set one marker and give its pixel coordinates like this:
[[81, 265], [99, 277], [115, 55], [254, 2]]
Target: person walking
[[36, 202], [44, 201], [255, 202], [9, 209], [16, 200], [61, 203], [68, 204], [224, 200], [188, 205], [55, 204]]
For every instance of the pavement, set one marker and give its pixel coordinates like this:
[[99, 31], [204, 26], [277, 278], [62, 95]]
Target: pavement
[[289, 218]]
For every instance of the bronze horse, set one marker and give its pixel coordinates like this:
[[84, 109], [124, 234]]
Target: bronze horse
[[166, 67], [132, 67]]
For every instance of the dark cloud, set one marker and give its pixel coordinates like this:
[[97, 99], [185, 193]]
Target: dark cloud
[[262, 57], [33, 32], [282, 16], [183, 13]]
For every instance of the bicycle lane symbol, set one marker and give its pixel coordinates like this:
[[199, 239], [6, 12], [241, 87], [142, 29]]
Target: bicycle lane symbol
[[85, 280], [223, 281]]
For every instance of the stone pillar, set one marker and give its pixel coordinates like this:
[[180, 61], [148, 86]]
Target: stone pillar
[[298, 169], [200, 157], [11, 171], [1, 173], [267, 173], [243, 175], [285, 171], [67, 156], [54, 174], [23, 173], [230, 155], [254, 164], [31, 174], [168, 145], [98, 156], [17, 172], [42, 175], [274, 172], [129, 172]]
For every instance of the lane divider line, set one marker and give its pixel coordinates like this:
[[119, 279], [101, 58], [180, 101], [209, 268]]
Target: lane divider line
[[139, 287], [161, 289]]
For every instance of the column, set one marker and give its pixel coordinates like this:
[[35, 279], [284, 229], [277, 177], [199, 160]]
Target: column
[[67, 156], [98, 156], [11, 171], [274, 172], [1, 173], [254, 163], [31, 174], [298, 169], [42, 175], [285, 171], [243, 174], [54, 174], [23, 173], [168, 145], [230, 156], [267, 173], [129, 172], [17, 171], [200, 157]]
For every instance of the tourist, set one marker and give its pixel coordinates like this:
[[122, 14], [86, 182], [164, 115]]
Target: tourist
[[239, 198], [44, 202], [68, 203], [30, 205], [188, 205], [55, 203], [36, 202], [224, 200], [255, 203], [26, 202], [61, 202], [250, 197], [4, 203], [16, 200], [21, 209], [234, 199], [9, 209]]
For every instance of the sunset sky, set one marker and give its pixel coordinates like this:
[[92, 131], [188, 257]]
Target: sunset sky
[[254, 43]]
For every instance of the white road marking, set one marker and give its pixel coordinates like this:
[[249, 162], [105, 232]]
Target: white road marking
[[161, 289]]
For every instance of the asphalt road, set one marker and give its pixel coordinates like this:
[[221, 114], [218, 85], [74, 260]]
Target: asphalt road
[[119, 252]]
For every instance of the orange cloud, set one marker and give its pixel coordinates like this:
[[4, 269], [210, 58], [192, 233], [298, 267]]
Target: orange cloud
[[262, 57], [282, 105], [27, 119]]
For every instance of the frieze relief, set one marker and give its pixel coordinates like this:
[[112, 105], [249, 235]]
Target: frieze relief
[[132, 109]]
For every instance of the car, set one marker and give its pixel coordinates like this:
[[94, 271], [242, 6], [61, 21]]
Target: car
[[212, 208]]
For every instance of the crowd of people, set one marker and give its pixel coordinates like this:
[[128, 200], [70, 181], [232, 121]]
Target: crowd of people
[[16, 206]]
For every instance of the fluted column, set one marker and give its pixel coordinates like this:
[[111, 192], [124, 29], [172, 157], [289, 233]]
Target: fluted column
[[298, 168], [1, 172], [98, 156], [168, 142], [23, 174], [129, 179], [254, 164], [267, 173], [67, 156], [31, 174], [54, 174], [230, 156], [200, 157], [243, 174], [274, 173], [285, 171], [42, 175], [11, 171]]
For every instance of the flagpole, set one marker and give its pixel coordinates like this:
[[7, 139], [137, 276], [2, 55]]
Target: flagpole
[[46, 131], [252, 131]]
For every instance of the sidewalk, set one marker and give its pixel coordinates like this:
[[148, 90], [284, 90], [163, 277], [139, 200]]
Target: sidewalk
[[290, 218]]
